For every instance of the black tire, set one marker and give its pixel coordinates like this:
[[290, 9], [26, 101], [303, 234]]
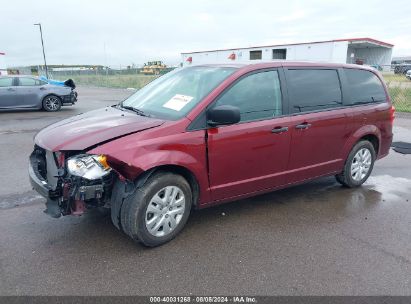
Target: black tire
[[133, 210], [345, 177], [52, 103]]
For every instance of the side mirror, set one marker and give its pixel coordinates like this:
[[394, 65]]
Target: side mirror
[[223, 115]]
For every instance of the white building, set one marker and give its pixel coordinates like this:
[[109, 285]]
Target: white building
[[3, 68], [356, 50]]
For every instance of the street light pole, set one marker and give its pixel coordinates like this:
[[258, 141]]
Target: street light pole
[[44, 54]]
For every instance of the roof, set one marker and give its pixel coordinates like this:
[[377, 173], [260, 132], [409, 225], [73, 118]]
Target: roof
[[352, 40], [287, 63]]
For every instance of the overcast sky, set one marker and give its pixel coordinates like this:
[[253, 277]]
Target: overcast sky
[[77, 32]]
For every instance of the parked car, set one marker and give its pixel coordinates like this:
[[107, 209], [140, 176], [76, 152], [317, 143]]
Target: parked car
[[402, 68], [28, 92], [408, 74], [204, 135]]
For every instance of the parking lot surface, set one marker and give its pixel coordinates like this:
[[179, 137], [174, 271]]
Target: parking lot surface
[[313, 239]]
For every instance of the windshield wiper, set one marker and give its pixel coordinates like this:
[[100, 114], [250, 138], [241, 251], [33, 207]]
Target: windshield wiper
[[138, 111]]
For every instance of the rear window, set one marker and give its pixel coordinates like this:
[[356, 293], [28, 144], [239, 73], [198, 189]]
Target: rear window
[[364, 86], [313, 89]]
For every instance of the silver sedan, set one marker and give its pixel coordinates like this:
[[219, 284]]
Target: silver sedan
[[28, 92]]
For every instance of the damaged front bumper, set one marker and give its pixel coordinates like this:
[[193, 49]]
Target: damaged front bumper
[[66, 194], [70, 99]]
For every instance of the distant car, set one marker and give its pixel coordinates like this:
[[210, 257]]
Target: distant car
[[28, 92], [402, 68], [408, 74], [377, 67]]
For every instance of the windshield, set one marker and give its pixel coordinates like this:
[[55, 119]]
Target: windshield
[[173, 95]]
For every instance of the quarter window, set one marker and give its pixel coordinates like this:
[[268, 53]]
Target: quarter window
[[258, 96], [364, 86], [6, 82], [313, 89]]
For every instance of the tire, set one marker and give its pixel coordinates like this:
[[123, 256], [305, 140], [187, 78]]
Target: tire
[[358, 166], [149, 217], [52, 103]]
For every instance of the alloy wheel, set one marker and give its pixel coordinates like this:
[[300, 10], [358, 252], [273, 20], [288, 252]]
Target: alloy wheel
[[361, 164], [52, 103]]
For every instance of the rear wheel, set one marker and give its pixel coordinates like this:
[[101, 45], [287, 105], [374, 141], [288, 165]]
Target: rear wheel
[[158, 210], [358, 165], [51, 103]]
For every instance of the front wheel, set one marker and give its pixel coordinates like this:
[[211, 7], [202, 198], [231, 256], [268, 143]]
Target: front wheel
[[358, 165], [51, 103], [158, 210]]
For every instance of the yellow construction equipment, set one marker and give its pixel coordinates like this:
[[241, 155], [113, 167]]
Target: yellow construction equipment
[[153, 68]]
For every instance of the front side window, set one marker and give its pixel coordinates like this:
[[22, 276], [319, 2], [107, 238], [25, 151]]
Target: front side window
[[258, 96], [25, 81], [6, 82], [364, 86], [313, 89], [175, 94]]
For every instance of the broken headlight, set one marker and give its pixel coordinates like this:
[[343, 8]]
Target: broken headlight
[[88, 166]]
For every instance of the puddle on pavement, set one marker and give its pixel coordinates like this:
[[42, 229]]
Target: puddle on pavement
[[389, 188]]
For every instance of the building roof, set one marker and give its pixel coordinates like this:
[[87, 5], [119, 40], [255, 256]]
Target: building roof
[[350, 40]]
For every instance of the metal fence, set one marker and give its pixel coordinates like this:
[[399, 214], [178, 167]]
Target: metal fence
[[399, 86]]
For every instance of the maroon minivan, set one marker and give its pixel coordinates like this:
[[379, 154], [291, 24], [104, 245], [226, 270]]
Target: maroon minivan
[[203, 135]]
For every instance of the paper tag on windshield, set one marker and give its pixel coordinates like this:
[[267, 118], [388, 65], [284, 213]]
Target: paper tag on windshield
[[177, 102]]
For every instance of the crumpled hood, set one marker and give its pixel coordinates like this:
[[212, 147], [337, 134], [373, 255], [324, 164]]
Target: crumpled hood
[[85, 130]]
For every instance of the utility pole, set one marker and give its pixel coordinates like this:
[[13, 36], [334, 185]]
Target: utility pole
[[44, 54]]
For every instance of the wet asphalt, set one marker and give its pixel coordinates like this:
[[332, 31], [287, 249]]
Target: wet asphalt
[[313, 239]]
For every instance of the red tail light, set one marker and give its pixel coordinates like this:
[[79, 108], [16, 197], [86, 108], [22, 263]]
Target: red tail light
[[232, 56], [189, 59], [392, 114]]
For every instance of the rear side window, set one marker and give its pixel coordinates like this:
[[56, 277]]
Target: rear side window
[[258, 96], [364, 86], [6, 82], [313, 89]]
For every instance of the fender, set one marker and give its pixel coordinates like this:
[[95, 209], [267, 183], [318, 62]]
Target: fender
[[357, 135], [133, 160]]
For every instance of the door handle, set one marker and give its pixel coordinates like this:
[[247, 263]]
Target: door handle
[[304, 125], [10, 89], [279, 130], [43, 88]]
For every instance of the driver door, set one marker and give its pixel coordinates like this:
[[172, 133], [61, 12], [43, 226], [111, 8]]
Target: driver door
[[251, 155]]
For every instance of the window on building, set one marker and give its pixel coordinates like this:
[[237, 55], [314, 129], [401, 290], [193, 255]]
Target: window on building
[[256, 55], [364, 86], [313, 89], [6, 82], [280, 54], [258, 96]]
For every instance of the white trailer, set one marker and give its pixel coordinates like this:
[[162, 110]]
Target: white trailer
[[355, 50]]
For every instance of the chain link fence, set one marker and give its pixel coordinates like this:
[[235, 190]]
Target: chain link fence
[[399, 86]]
